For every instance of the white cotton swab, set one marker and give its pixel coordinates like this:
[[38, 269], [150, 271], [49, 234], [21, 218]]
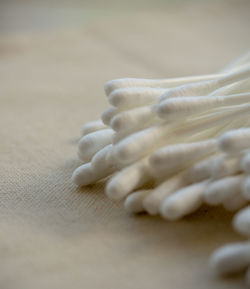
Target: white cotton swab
[[132, 97], [84, 175], [139, 144], [93, 126], [183, 202], [218, 191], [91, 143], [235, 202], [134, 202], [115, 84], [143, 142], [153, 200], [102, 160], [203, 88], [119, 83], [218, 119], [185, 106], [175, 155], [225, 165], [154, 197], [127, 180], [245, 162], [201, 170], [246, 188], [247, 276], [134, 119], [231, 258], [235, 141], [108, 114], [241, 221]]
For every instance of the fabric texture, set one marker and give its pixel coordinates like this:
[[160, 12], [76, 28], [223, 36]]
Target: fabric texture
[[55, 235]]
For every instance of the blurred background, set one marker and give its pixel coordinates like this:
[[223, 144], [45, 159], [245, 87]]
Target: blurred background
[[55, 57]]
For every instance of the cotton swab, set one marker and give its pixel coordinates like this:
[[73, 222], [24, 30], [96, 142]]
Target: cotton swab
[[218, 191], [134, 119], [241, 221], [183, 202], [235, 202], [127, 180], [246, 188], [204, 87], [115, 84], [225, 166], [134, 202], [93, 142], [153, 200], [131, 97], [234, 141], [185, 106], [231, 258], [175, 155], [92, 127], [245, 162]]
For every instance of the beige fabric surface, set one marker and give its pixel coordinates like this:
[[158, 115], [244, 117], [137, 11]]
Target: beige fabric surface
[[55, 235]]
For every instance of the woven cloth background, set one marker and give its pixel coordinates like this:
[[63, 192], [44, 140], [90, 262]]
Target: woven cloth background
[[53, 234]]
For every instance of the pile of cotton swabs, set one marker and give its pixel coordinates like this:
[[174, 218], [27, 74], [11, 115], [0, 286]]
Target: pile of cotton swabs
[[167, 146]]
